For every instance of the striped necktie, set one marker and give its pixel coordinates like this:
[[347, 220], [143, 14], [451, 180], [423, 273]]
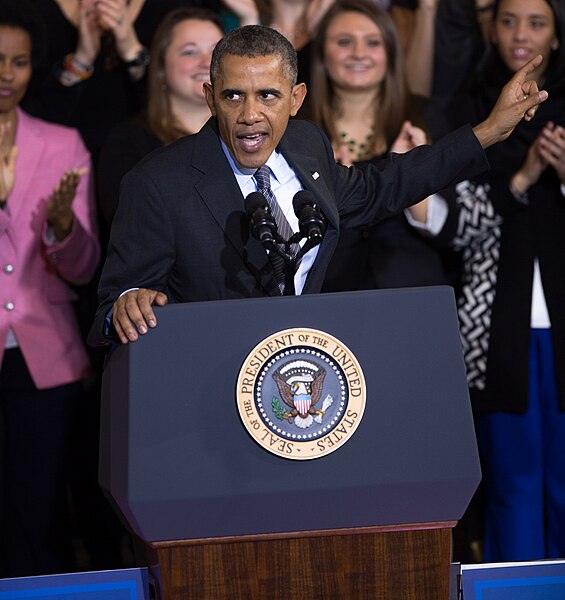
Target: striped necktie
[[263, 178]]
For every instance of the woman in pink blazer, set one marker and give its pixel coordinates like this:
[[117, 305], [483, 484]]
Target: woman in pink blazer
[[48, 241]]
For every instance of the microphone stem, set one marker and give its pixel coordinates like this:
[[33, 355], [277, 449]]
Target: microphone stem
[[289, 289]]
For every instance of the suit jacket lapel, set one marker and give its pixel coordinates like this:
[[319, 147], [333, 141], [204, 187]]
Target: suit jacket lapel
[[220, 192], [309, 171]]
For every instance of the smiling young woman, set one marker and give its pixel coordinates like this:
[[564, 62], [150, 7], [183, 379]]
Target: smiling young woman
[[96, 62], [363, 103]]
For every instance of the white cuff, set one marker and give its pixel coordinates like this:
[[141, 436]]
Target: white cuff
[[435, 218]]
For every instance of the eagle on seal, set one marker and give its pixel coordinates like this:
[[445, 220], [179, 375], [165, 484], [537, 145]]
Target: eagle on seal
[[300, 384]]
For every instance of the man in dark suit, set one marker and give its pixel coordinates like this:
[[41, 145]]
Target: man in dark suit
[[180, 233]]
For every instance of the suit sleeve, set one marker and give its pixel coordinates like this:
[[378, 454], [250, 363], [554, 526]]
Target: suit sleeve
[[368, 194], [142, 247]]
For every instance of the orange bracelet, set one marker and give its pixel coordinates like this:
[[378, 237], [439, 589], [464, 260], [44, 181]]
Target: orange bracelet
[[81, 71]]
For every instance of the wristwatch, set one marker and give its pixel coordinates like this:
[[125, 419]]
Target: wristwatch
[[141, 59]]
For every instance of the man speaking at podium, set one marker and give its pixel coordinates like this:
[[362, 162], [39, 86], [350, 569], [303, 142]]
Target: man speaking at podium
[[181, 233]]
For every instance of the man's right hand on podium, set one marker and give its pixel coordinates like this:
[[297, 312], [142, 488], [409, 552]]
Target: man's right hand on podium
[[133, 314]]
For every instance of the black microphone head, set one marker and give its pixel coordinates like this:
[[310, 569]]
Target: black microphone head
[[261, 222], [310, 220], [301, 199], [254, 201]]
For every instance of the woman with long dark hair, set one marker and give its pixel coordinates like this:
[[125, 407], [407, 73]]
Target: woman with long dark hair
[[510, 227]]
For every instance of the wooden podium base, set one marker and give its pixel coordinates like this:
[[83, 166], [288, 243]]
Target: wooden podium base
[[409, 562]]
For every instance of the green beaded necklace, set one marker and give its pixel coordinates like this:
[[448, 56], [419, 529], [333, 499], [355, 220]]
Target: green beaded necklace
[[358, 150]]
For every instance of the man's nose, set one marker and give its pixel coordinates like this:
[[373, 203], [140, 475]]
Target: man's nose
[[250, 112]]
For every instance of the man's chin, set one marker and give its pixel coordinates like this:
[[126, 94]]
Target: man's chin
[[251, 160]]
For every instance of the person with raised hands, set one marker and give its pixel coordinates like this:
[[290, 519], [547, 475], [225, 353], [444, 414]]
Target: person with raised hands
[[508, 225]]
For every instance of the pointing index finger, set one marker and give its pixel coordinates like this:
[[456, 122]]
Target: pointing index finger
[[530, 66]]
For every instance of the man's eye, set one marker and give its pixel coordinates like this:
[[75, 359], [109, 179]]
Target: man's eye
[[233, 96], [267, 96]]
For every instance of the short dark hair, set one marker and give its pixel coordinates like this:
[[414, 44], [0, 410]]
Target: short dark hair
[[254, 41], [23, 14]]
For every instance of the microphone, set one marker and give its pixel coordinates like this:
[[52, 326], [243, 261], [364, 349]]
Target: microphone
[[261, 222], [311, 221]]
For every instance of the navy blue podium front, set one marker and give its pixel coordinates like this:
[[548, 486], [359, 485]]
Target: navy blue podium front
[[183, 471]]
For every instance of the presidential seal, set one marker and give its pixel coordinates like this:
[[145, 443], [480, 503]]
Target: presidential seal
[[301, 394]]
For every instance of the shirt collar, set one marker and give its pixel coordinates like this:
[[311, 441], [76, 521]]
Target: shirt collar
[[280, 169]]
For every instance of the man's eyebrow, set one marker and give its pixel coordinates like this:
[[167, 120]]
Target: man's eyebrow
[[230, 91], [273, 91]]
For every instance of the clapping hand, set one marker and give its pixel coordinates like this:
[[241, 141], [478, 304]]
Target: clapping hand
[[8, 155], [551, 146], [114, 16], [409, 137], [59, 204], [315, 10], [342, 154], [89, 32], [547, 150]]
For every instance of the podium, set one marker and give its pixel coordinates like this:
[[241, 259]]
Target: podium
[[226, 518]]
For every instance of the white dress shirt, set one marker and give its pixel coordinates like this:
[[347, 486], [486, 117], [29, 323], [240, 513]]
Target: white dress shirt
[[285, 184]]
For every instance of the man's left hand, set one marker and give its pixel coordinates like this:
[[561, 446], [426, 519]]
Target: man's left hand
[[519, 99]]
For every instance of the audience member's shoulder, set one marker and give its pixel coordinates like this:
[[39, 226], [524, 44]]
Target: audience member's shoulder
[[133, 134], [167, 157], [46, 127], [301, 131], [173, 160], [60, 139]]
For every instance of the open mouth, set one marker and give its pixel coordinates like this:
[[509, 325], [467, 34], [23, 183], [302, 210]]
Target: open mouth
[[251, 141], [520, 53], [358, 68]]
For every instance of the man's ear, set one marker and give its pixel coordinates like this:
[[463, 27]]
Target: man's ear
[[297, 96], [209, 94]]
